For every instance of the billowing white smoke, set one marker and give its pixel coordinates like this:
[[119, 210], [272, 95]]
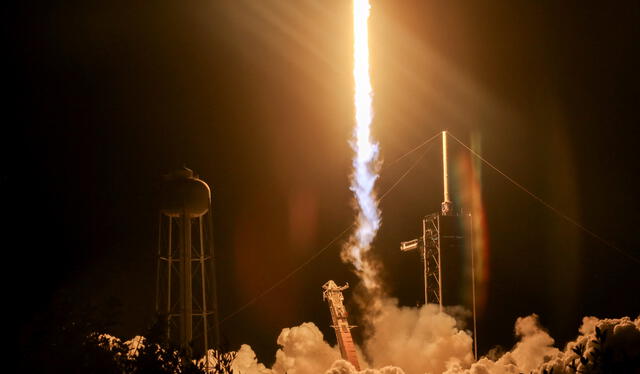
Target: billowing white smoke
[[606, 344], [534, 348], [402, 340], [247, 362], [302, 350], [534, 353], [421, 340], [345, 367]]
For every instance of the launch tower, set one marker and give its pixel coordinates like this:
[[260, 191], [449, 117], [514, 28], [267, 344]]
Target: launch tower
[[447, 254], [185, 284], [333, 294]]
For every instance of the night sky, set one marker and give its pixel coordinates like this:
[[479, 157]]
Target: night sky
[[256, 97]]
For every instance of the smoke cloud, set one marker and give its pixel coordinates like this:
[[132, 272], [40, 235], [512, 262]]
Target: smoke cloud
[[419, 340], [302, 350], [401, 340], [345, 367], [409, 340], [603, 346]]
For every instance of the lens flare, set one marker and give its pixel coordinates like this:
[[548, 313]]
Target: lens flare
[[365, 161]]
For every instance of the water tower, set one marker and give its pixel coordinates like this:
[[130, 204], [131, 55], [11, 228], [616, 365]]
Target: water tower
[[186, 283]]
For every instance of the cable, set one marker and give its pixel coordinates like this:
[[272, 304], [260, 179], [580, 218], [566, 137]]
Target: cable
[[547, 205], [415, 163], [318, 253], [414, 149]]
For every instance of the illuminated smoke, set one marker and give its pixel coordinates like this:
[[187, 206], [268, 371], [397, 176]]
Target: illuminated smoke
[[365, 161], [606, 346], [303, 350], [402, 340], [409, 340]]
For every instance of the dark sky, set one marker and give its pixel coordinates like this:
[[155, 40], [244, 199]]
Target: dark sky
[[256, 97]]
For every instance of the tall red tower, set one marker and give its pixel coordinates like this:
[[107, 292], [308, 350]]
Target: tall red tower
[[333, 294]]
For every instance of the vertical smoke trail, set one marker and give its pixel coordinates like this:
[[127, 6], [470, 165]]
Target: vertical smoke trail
[[365, 161]]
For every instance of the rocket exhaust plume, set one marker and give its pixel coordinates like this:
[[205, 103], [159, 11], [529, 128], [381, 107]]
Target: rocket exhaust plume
[[365, 161]]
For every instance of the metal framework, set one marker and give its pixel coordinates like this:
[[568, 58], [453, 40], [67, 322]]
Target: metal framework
[[333, 294], [431, 259], [429, 247], [185, 283]]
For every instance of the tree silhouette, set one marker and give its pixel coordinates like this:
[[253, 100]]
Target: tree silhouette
[[70, 340]]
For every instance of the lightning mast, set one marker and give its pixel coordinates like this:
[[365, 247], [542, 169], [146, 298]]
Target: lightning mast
[[333, 294]]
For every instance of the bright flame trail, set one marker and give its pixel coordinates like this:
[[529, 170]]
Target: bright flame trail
[[365, 162]]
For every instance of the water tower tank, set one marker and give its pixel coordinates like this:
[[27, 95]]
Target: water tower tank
[[184, 194]]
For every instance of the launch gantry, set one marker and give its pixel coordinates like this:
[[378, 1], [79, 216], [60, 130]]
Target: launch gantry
[[333, 294]]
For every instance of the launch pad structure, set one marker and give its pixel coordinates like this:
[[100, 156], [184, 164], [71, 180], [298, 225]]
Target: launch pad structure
[[333, 294], [447, 253]]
